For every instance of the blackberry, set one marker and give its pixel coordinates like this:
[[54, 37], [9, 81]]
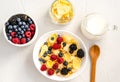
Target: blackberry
[[71, 51], [80, 53], [65, 63], [64, 71]]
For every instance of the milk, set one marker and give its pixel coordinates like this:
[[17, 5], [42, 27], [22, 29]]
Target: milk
[[93, 26]]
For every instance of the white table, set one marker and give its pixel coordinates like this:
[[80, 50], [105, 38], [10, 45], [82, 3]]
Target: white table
[[16, 64]]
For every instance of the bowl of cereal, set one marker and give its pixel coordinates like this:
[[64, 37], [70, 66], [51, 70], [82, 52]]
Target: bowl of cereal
[[60, 55]]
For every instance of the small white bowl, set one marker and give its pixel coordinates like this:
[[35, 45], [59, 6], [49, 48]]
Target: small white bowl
[[26, 44], [44, 38]]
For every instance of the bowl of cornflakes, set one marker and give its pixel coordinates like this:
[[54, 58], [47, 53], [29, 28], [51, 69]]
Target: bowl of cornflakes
[[60, 55]]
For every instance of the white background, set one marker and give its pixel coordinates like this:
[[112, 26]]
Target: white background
[[16, 64]]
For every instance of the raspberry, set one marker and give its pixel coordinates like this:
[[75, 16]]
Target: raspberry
[[50, 72], [28, 34], [32, 33], [32, 27], [23, 40], [13, 34], [59, 40], [53, 57], [56, 46], [16, 40], [55, 66], [43, 67], [60, 60]]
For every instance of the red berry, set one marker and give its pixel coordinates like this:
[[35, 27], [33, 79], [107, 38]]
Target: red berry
[[32, 33], [32, 27], [23, 40], [55, 66], [50, 72], [60, 60], [53, 57], [56, 46], [13, 34], [28, 34], [59, 40], [16, 40], [43, 67]]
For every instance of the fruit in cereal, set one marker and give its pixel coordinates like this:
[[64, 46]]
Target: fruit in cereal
[[43, 67]]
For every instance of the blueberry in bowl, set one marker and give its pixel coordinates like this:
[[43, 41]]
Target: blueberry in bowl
[[20, 30]]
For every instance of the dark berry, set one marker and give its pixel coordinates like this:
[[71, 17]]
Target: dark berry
[[7, 23], [18, 19], [9, 37], [64, 44], [19, 36], [80, 53], [19, 23], [73, 47], [69, 69], [48, 52], [15, 26], [64, 71], [23, 23], [60, 54], [71, 51], [65, 63], [42, 60], [49, 48], [16, 29], [45, 54], [26, 26], [28, 39], [19, 29], [10, 27], [10, 31], [22, 26]]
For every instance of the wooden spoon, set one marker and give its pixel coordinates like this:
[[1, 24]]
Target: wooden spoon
[[94, 54]]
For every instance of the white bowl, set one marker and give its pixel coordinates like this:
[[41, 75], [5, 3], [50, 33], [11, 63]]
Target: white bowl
[[26, 44], [44, 38]]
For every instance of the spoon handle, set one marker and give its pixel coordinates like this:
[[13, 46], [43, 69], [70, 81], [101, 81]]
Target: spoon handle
[[93, 71]]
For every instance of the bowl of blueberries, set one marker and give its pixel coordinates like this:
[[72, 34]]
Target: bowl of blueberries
[[20, 30]]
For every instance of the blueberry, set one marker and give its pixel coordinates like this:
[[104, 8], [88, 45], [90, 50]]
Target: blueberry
[[19, 23], [65, 63], [30, 22], [45, 54], [69, 69], [64, 71], [23, 23], [23, 35], [48, 52], [14, 26], [24, 29], [60, 54], [80, 53], [22, 32], [18, 33], [16, 29], [73, 47], [26, 26], [18, 19], [42, 60], [28, 29], [10, 27], [22, 26], [28, 39], [19, 36], [10, 31], [64, 44], [9, 37], [50, 48], [7, 23], [19, 29], [29, 19]]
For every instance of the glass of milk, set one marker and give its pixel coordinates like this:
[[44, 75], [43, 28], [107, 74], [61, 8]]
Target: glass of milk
[[94, 26]]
